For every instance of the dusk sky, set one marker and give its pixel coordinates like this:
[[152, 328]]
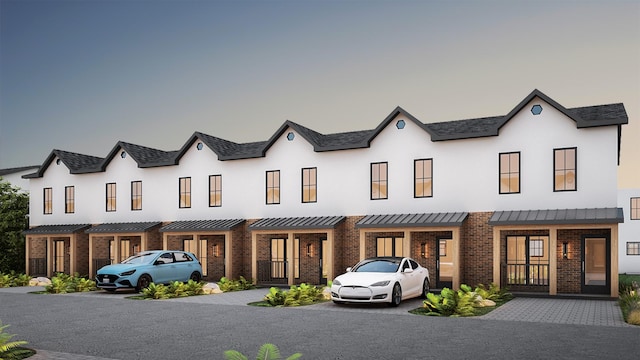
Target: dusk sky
[[82, 75]]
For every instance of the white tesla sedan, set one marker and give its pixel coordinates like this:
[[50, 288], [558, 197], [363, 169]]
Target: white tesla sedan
[[381, 279]]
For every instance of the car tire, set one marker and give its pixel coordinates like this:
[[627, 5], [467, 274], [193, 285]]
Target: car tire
[[143, 282], [425, 288], [195, 276], [396, 295]]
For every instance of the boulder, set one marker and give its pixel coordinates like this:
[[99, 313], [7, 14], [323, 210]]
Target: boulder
[[326, 293], [211, 288], [39, 281]]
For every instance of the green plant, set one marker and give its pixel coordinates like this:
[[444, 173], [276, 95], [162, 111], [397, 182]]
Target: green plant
[[227, 285], [266, 352], [63, 283], [5, 280], [295, 296], [14, 279], [154, 291], [194, 287], [626, 283], [451, 302], [493, 293], [177, 289], [81, 284], [11, 349]]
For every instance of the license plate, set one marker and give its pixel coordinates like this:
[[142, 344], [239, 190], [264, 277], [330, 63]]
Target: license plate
[[105, 280]]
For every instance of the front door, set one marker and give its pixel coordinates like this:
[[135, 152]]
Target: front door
[[324, 263], [596, 253], [444, 263]]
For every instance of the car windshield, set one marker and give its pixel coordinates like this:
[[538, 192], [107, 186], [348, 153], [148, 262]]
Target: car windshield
[[142, 258], [384, 266]]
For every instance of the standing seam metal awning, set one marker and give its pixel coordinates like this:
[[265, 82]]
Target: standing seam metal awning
[[558, 217], [202, 225], [301, 223], [413, 220], [56, 229], [123, 227]]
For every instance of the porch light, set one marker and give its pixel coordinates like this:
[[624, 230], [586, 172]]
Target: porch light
[[309, 250], [423, 250], [565, 250]]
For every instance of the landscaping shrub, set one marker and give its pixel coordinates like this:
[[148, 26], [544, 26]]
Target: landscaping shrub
[[463, 302], [227, 285], [174, 290], [11, 349], [295, 296], [629, 300], [14, 279], [63, 283], [266, 352]]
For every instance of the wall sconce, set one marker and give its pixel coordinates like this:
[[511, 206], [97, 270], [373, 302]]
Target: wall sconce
[[565, 250], [309, 250], [216, 250], [423, 250]]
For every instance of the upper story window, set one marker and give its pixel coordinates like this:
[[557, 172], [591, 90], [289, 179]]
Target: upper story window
[[273, 187], [309, 185], [185, 192], [111, 197], [69, 199], [423, 178], [635, 208], [379, 181], [47, 197], [510, 173], [633, 248], [136, 195], [215, 190], [564, 168]]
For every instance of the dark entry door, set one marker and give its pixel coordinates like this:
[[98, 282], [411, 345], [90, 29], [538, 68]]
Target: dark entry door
[[444, 263], [596, 254]]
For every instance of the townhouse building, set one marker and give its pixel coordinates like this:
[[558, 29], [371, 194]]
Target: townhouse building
[[629, 233], [527, 200]]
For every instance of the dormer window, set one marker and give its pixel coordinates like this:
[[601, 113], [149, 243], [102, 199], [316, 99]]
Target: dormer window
[[123, 154]]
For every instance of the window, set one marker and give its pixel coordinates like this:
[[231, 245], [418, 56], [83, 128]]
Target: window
[[273, 187], [423, 178], [633, 248], [185, 192], [58, 256], [527, 260], [111, 197], [278, 259], [309, 184], [69, 200], [510, 173], [389, 246], [215, 190], [379, 181], [136, 195], [564, 165], [635, 208], [204, 258], [47, 197], [125, 249]]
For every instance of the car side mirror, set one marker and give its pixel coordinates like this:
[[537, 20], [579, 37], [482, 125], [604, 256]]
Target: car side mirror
[[407, 270], [349, 269], [158, 262]]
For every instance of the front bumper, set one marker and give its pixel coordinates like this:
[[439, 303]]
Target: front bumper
[[109, 281], [361, 294]]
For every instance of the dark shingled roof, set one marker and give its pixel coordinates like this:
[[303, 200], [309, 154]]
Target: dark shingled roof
[[18, 169], [558, 217], [293, 223], [413, 220], [56, 229], [591, 116], [202, 225], [123, 227]]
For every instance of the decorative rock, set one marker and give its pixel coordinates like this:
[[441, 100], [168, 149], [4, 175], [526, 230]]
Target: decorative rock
[[39, 281], [326, 293], [211, 288], [487, 303]]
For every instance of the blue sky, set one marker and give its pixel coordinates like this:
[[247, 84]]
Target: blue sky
[[82, 75]]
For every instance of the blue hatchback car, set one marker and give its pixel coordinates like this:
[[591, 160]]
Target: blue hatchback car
[[157, 266]]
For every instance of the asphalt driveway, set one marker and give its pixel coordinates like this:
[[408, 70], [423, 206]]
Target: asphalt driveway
[[103, 325]]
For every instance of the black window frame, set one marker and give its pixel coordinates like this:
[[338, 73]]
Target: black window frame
[[423, 178], [634, 208], [379, 181], [135, 195], [307, 185], [635, 246], [510, 172], [113, 197], [47, 201], [218, 181], [184, 189], [565, 169], [69, 199], [272, 201]]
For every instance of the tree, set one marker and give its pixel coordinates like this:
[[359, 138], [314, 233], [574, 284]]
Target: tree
[[14, 208]]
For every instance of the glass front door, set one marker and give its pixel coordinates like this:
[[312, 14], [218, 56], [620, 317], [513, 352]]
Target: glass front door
[[444, 263], [595, 265]]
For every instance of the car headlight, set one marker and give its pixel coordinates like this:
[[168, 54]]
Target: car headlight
[[127, 273], [337, 282], [381, 283]]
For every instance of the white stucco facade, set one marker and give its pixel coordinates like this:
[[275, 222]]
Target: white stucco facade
[[629, 233]]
